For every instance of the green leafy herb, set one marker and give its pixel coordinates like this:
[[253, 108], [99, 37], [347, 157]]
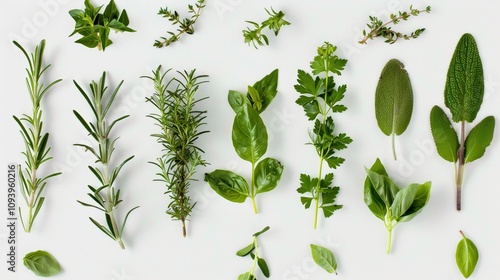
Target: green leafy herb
[[379, 29], [179, 123], [106, 195], [274, 23], [319, 96], [185, 25], [463, 95], [36, 141], [95, 27], [393, 100], [466, 256], [253, 250], [42, 263], [324, 258], [390, 203], [250, 141]]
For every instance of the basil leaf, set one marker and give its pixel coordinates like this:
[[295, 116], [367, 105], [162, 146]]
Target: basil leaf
[[421, 198], [247, 250], [255, 98], [324, 258], [118, 26], [479, 139], [266, 88], [383, 185], [403, 200], [42, 263], [263, 267], [237, 100], [393, 100], [229, 185], [466, 256], [249, 134], [372, 199], [464, 90], [267, 175], [445, 136], [90, 41]]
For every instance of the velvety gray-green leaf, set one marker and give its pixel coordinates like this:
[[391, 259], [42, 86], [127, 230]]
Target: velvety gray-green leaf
[[445, 136], [267, 88], [372, 199], [393, 99], [249, 134], [466, 256], [42, 263], [267, 174], [479, 139], [237, 100], [324, 258], [421, 198], [229, 185], [464, 90]]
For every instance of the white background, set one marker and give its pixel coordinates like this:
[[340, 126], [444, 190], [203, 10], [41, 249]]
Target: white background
[[422, 249]]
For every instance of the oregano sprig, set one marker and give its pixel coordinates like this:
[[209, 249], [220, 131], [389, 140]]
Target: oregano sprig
[[185, 25], [274, 23], [379, 29], [179, 122], [319, 96], [253, 250], [32, 183], [105, 195]]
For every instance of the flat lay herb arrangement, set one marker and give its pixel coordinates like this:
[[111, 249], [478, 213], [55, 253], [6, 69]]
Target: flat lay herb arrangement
[[180, 107]]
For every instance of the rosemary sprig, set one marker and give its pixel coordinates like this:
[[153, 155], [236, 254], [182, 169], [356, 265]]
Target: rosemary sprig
[[274, 23], [36, 141], [180, 124], [106, 196], [185, 25], [379, 29]]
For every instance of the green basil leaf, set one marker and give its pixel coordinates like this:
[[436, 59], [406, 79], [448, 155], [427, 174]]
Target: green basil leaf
[[403, 200], [267, 88], [372, 199], [90, 41], [324, 258], [247, 250], [466, 256], [464, 90], [384, 186], [393, 99], [263, 267], [118, 26], [267, 175], [237, 100], [255, 98], [479, 139], [249, 134], [420, 199], [246, 276], [229, 185], [42, 263], [445, 136]]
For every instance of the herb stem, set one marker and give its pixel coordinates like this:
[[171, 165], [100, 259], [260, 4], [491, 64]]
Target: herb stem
[[252, 190], [110, 206], [389, 240], [394, 146], [461, 165]]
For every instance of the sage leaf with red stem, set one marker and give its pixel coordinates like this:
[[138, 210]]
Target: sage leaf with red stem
[[250, 141], [463, 95], [179, 122], [391, 204], [466, 256], [393, 100]]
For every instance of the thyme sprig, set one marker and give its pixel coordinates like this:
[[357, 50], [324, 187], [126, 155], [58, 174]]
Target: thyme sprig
[[180, 123], [274, 23], [36, 141], [185, 25], [106, 195], [379, 29]]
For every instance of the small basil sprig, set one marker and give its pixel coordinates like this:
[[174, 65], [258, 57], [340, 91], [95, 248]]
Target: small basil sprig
[[95, 27], [253, 250], [463, 95], [466, 256], [250, 140], [324, 258], [42, 263], [390, 203]]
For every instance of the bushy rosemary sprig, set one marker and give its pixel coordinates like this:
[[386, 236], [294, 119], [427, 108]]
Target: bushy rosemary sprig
[[35, 140], [379, 29], [179, 122], [320, 97], [185, 25], [105, 195], [274, 23]]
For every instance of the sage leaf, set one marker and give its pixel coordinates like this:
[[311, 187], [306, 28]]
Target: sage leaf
[[263, 267], [42, 263], [466, 256], [324, 258], [393, 100], [444, 135], [464, 90], [249, 134], [267, 175], [229, 185], [479, 139], [237, 100]]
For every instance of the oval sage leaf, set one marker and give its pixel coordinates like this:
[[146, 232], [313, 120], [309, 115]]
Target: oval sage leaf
[[42, 263], [445, 136], [324, 258], [479, 139], [466, 256], [267, 174], [249, 134]]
